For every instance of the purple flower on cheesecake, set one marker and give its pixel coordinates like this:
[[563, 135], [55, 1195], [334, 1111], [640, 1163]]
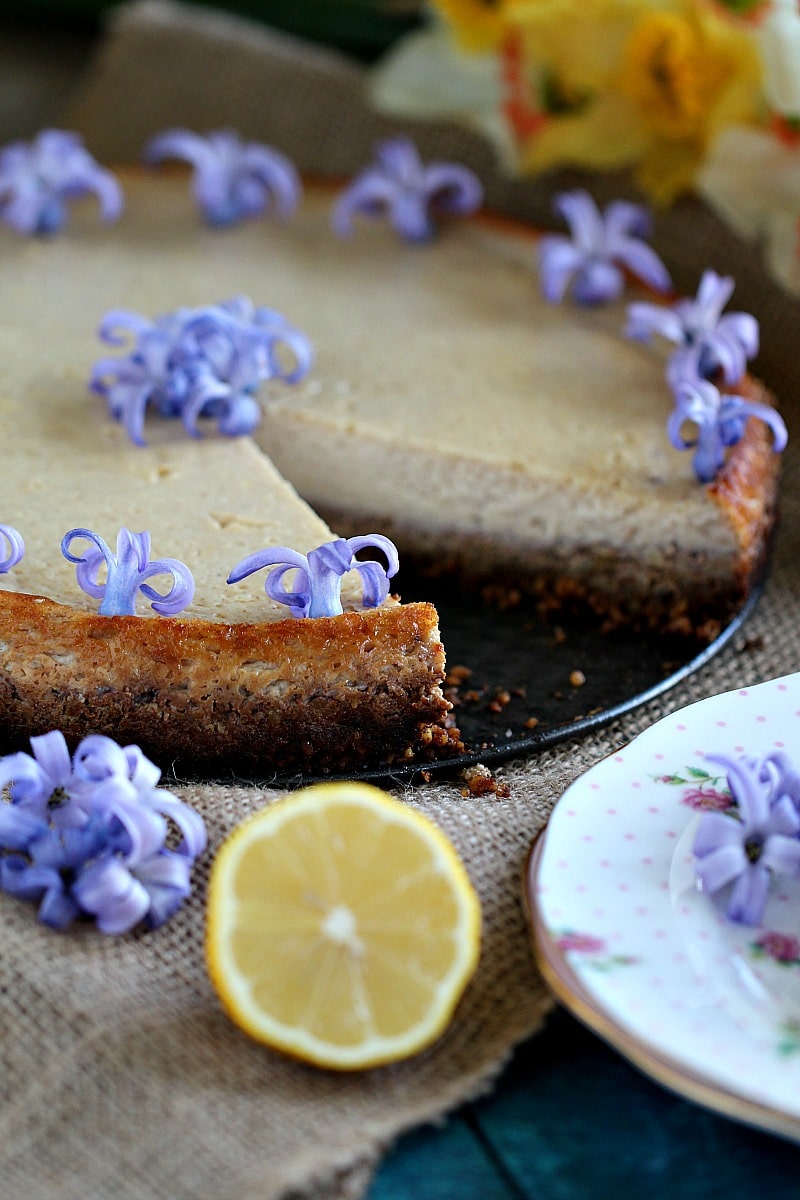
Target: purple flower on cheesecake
[[38, 179], [719, 420], [709, 344], [127, 573], [197, 363], [316, 591], [590, 261], [15, 551], [86, 835], [233, 180], [742, 852], [399, 185]]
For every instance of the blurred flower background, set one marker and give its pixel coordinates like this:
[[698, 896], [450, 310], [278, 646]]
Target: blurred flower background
[[690, 95]]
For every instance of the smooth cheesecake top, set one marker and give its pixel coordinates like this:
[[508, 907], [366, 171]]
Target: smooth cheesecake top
[[447, 342]]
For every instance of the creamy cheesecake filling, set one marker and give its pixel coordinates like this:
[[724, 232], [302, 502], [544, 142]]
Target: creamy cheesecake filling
[[446, 397]]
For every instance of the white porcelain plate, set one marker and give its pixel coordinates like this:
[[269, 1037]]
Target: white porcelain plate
[[628, 943]]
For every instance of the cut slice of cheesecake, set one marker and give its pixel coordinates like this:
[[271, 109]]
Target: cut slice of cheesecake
[[234, 678]]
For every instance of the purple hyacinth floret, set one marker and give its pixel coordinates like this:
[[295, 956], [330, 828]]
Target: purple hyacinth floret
[[316, 591], [127, 573], [589, 263], [719, 420], [709, 344], [198, 363], [233, 180], [411, 194], [15, 548], [86, 835], [742, 852], [38, 179]]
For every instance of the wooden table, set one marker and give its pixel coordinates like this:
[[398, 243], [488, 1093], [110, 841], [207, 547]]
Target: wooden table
[[572, 1120]]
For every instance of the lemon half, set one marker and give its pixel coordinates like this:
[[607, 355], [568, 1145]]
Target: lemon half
[[342, 927]]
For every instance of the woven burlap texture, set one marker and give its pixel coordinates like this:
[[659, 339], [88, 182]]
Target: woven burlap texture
[[122, 1077]]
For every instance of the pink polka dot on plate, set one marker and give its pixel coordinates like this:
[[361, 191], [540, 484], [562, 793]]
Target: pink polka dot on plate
[[636, 784], [612, 812], [647, 862], [641, 911], [604, 862], [623, 887], [653, 808], [681, 728], [739, 749], [630, 837], [780, 745], [659, 757], [722, 724], [761, 720], [781, 687]]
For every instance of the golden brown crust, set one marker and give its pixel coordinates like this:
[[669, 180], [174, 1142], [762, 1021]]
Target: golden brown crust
[[746, 491], [329, 694]]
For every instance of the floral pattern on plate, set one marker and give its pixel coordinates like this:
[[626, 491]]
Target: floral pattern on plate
[[612, 882]]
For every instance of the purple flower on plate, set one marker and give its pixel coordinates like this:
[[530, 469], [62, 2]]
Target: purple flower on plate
[[719, 420], [318, 582], [708, 343], [38, 179], [745, 850], [16, 548], [590, 261], [86, 836], [410, 193], [233, 180], [127, 573]]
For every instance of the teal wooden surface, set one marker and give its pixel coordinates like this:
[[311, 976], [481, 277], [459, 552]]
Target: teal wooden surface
[[572, 1120]]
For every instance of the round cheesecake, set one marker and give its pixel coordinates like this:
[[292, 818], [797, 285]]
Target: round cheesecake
[[448, 406]]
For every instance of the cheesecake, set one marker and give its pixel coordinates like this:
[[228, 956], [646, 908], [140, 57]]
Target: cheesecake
[[449, 407]]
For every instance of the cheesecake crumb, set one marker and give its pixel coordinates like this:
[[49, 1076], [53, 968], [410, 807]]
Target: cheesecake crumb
[[457, 675], [481, 782], [577, 678], [531, 722]]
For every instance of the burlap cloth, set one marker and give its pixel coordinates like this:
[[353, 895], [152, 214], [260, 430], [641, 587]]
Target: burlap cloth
[[121, 1077]]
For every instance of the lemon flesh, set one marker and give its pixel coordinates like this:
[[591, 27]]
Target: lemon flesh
[[342, 927]]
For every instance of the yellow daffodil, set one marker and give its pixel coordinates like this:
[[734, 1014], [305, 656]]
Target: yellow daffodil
[[609, 83], [687, 74]]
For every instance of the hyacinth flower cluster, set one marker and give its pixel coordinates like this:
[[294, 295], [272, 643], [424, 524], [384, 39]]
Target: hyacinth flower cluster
[[317, 583], [232, 180], [591, 262], [712, 352], [197, 364], [740, 851], [126, 573], [39, 179], [410, 193], [93, 836]]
